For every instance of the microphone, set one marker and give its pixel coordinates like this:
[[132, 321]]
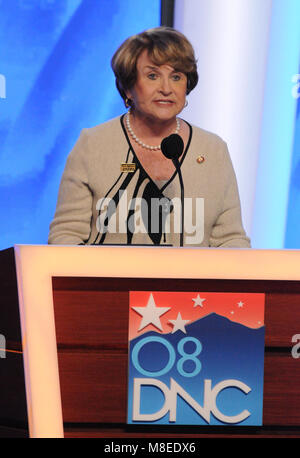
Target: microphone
[[172, 148]]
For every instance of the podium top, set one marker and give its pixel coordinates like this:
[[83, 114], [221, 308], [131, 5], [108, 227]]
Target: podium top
[[159, 262]]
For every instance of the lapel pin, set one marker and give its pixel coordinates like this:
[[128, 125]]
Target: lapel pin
[[200, 159]]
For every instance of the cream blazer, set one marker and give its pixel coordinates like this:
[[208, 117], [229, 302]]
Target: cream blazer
[[101, 201]]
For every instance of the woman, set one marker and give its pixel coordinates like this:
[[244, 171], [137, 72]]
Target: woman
[[119, 188]]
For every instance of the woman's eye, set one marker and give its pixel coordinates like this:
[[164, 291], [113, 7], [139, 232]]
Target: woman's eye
[[152, 76], [176, 77]]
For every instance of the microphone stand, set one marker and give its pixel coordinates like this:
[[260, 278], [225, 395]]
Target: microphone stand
[[177, 165], [172, 148]]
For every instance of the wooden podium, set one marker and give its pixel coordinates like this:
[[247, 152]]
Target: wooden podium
[[64, 324]]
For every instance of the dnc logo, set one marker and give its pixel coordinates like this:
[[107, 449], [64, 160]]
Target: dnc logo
[[196, 358]]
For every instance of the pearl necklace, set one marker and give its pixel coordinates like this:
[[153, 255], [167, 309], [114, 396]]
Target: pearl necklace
[[153, 148]]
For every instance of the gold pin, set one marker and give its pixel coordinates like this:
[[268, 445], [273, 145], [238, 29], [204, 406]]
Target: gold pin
[[200, 159], [128, 167]]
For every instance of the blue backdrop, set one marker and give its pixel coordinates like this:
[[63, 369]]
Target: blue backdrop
[[292, 239], [55, 79]]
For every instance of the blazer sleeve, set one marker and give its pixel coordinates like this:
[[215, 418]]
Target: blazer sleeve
[[71, 224], [228, 229]]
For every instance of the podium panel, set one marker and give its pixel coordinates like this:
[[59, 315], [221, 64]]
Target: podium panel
[[105, 347], [71, 334]]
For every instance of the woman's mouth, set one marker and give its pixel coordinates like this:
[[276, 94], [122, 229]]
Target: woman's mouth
[[164, 101]]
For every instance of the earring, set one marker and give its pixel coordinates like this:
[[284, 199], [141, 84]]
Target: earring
[[186, 104], [127, 104]]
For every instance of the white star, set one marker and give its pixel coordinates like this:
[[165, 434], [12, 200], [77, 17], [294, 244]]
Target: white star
[[240, 304], [198, 301], [179, 323], [151, 314]]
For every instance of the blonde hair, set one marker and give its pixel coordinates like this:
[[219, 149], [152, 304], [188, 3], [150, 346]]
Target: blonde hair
[[165, 45]]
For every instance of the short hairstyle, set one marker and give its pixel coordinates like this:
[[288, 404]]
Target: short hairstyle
[[165, 45]]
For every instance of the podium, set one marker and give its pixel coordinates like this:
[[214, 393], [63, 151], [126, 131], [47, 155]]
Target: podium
[[64, 326]]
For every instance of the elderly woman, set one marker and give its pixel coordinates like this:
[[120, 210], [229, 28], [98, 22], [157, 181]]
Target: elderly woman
[[119, 186]]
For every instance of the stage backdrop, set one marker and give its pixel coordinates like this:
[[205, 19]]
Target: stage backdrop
[[248, 57], [55, 79], [292, 236]]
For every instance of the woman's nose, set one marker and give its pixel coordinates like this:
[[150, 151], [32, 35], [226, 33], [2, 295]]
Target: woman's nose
[[165, 86]]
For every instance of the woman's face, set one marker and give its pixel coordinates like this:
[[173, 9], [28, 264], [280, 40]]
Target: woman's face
[[159, 92]]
